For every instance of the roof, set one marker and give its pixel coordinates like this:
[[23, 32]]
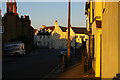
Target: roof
[[79, 30], [34, 31], [63, 29], [49, 27], [43, 32]]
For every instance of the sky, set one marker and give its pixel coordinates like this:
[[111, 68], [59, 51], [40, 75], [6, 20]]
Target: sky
[[45, 13]]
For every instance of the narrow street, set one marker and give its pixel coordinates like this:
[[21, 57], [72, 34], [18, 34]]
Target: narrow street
[[37, 64]]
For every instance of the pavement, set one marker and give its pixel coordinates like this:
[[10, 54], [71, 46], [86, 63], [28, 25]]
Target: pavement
[[74, 71]]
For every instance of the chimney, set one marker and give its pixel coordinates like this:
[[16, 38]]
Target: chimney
[[26, 17], [7, 4], [43, 26], [14, 7], [56, 24], [10, 6], [21, 17]]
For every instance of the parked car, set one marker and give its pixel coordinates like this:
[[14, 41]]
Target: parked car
[[14, 49], [64, 52]]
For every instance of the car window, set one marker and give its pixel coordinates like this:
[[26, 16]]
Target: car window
[[64, 49]]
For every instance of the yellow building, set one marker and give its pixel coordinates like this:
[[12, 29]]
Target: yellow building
[[94, 19], [110, 40], [102, 45]]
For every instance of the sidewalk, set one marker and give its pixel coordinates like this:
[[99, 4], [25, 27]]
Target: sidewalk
[[75, 71]]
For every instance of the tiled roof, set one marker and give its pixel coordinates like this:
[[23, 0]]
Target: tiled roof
[[50, 27], [34, 31], [63, 29], [43, 32], [79, 30]]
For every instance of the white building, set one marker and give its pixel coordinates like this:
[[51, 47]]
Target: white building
[[56, 36]]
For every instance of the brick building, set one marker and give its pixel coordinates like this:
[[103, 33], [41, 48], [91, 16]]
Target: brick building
[[17, 28]]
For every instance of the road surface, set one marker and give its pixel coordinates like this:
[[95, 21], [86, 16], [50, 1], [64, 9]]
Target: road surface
[[35, 65]]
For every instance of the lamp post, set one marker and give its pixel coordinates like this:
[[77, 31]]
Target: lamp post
[[68, 44]]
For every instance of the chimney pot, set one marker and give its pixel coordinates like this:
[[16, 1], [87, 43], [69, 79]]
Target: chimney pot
[[56, 21]]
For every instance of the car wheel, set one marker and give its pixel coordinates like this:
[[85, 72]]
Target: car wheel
[[16, 54]]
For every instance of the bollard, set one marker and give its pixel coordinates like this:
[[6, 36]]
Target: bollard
[[62, 63]]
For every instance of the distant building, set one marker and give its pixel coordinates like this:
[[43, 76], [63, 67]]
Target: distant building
[[44, 39], [17, 28], [78, 36], [35, 37], [58, 36]]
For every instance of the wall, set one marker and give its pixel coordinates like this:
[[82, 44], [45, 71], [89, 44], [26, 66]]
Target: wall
[[110, 40], [119, 37], [43, 41], [95, 15], [98, 9], [9, 22], [94, 32], [0, 55], [96, 62], [18, 29]]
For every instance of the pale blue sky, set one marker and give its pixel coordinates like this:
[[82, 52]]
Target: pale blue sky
[[45, 13]]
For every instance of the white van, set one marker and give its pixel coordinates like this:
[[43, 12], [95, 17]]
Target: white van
[[14, 49]]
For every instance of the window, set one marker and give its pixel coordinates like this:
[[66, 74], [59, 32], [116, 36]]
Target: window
[[47, 43], [43, 36], [82, 36], [39, 36], [48, 36], [39, 42], [93, 10], [76, 36], [43, 43]]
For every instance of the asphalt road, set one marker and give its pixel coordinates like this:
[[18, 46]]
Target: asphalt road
[[35, 65]]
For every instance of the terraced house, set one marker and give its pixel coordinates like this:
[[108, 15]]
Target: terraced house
[[103, 29], [58, 36]]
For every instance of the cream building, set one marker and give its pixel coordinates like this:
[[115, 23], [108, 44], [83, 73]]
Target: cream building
[[94, 18], [110, 40], [103, 37]]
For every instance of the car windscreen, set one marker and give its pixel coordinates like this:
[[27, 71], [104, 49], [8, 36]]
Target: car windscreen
[[64, 50]]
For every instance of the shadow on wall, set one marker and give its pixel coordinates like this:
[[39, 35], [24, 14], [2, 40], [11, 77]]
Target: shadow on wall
[[59, 42]]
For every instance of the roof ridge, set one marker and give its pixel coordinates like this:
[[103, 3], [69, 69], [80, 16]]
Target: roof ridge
[[49, 26], [78, 27]]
